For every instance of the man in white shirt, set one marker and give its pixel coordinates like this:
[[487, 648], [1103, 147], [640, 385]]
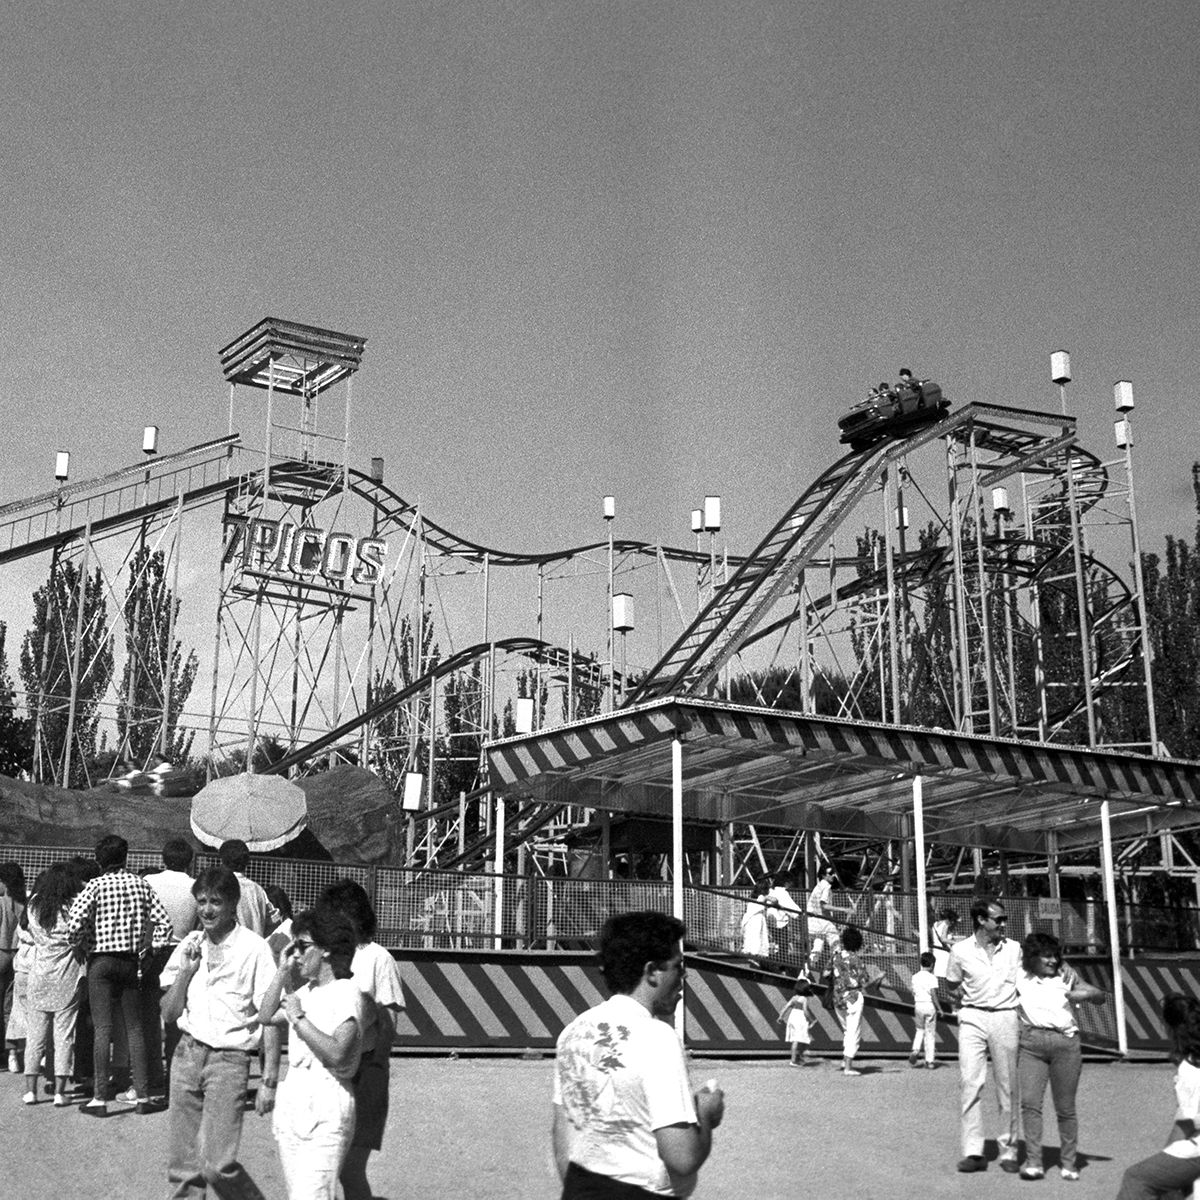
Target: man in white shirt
[[982, 974], [821, 930], [255, 909], [215, 982], [781, 909], [625, 1120]]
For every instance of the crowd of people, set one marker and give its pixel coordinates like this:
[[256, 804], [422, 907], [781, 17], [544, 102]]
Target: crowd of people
[[185, 981], [162, 990]]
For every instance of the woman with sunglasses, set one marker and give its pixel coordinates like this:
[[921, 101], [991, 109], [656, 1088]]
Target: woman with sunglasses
[[1048, 990], [313, 993]]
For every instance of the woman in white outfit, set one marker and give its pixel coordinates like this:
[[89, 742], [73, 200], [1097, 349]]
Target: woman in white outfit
[[312, 992]]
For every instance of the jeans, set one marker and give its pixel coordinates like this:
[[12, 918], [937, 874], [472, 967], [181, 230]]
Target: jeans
[[113, 979], [208, 1095], [979, 1033], [6, 989], [1046, 1054], [1159, 1175], [149, 1000], [926, 1017]]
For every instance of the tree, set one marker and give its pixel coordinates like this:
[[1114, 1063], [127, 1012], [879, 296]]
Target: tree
[[15, 743], [155, 667], [48, 654]]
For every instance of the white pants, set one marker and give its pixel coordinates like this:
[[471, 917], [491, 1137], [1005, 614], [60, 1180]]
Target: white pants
[[314, 1123], [926, 1016], [852, 1027], [981, 1033]]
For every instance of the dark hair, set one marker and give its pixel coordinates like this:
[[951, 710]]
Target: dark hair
[[234, 854], [177, 855], [979, 909], [56, 887], [927, 959], [628, 941], [852, 938], [13, 878], [783, 877], [1039, 945], [1181, 1015], [760, 887], [280, 899], [948, 914], [111, 851], [332, 930], [220, 880], [351, 898], [803, 986]]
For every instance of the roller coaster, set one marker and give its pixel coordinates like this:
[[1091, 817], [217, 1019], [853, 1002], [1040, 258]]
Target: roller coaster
[[982, 614]]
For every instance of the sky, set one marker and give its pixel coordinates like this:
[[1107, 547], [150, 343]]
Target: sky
[[646, 249]]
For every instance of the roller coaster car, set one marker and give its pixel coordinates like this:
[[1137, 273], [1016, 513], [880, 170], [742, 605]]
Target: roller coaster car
[[890, 410]]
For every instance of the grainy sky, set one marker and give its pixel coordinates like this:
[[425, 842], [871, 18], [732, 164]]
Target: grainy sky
[[650, 249]]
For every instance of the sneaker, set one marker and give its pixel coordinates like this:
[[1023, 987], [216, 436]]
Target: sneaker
[[94, 1108], [1068, 1173], [146, 1107], [1009, 1165], [128, 1096], [914, 1060], [850, 1071], [972, 1162], [1032, 1173], [60, 1101], [29, 1098]]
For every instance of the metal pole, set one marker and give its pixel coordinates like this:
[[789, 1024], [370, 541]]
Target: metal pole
[[958, 626], [165, 728], [805, 659], [892, 633], [498, 880], [985, 621], [611, 693], [918, 796], [1114, 943], [75, 651], [677, 850], [1140, 585]]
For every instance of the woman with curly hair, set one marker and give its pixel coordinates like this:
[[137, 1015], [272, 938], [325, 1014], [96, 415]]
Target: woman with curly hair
[[56, 970], [849, 978], [314, 994]]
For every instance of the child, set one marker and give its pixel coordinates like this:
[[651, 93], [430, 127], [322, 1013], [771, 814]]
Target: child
[[799, 1016], [926, 1011]]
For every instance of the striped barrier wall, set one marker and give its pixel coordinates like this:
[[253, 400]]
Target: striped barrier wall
[[518, 1000]]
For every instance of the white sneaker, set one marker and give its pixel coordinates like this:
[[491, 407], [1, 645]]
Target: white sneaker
[[129, 1096], [29, 1098], [60, 1101]]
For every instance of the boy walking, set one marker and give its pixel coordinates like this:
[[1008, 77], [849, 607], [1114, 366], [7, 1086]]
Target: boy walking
[[926, 1011]]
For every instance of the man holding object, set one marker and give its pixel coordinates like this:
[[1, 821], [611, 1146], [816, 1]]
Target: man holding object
[[626, 1123]]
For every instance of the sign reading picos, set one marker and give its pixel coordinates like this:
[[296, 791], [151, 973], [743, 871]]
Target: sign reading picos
[[303, 551]]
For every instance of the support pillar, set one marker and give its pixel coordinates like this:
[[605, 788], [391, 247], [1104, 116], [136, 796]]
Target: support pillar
[[1114, 945], [918, 795], [677, 853]]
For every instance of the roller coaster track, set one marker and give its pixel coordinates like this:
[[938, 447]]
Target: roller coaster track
[[729, 619], [455, 662]]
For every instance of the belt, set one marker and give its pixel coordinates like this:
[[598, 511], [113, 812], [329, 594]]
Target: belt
[[981, 1008], [185, 1036], [133, 954]]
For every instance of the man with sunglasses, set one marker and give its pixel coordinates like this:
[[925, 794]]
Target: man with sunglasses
[[982, 974]]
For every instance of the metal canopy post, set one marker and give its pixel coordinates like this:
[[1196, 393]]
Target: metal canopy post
[[677, 851], [498, 880], [918, 802], [1114, 945]]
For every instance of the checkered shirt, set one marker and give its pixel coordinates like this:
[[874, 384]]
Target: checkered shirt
[[118, 913]]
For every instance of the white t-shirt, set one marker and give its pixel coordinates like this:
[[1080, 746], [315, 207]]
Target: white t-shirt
[[924, 985], [787, 906], [1187, 1097], [1044, 1003], [820, 898], [989, 980], [377, 974], [619, 1075], [226, 992], [327, 1007], [174, 889]]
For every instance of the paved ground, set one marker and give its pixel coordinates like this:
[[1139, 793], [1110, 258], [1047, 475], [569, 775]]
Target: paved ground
[[479, 1128]]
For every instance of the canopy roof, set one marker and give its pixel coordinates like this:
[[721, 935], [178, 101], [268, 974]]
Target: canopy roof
[[848, 778]]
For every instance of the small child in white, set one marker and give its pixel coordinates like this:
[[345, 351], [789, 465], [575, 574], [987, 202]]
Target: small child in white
[[799, 1017], [926, 1010]]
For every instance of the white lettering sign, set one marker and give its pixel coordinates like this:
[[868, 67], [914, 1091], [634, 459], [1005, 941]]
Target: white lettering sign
[[280, 547]]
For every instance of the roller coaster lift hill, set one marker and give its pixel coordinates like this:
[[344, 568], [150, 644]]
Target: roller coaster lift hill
[[889, 411]]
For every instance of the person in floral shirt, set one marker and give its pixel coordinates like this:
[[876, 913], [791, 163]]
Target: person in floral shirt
[[849, 977]]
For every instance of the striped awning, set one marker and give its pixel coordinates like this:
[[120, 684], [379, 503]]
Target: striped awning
[[845, 777]]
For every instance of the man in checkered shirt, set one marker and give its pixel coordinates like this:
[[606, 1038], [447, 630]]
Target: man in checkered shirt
[[117, 920]]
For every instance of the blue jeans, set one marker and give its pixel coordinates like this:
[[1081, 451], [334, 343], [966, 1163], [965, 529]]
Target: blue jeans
[[1045, 1054], [1157, 1176], [113, 979], [208, 1096]]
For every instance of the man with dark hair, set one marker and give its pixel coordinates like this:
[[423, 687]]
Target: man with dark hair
[[255, 910], [626, 1123], [982, 974], [118, 921], [215, 982]]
